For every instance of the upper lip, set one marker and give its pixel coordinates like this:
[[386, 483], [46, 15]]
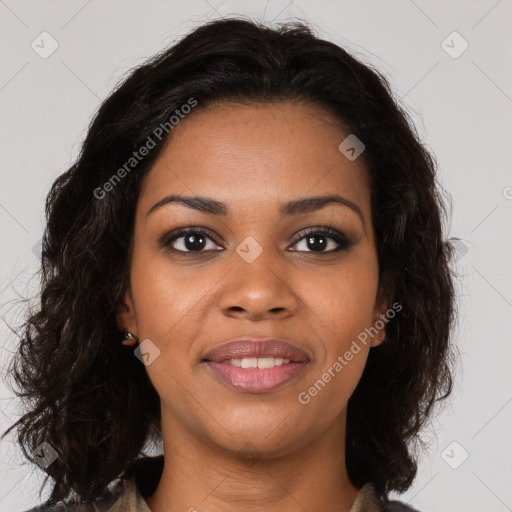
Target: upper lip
[[256, 347]]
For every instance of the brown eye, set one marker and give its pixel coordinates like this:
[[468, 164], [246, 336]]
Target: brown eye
[[189, 240], [320, 239]]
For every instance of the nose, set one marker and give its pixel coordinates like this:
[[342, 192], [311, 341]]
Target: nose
[[262, 289]]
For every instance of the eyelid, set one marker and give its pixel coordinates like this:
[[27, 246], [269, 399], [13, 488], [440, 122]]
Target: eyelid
[[328, 230], [178, 233], [343, 241]]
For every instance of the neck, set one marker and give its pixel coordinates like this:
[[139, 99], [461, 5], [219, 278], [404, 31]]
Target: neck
[[200, 476]]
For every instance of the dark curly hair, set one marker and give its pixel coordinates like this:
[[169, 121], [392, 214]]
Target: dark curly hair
[[93, 401]]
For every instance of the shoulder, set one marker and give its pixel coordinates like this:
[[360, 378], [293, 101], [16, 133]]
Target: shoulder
[[140, 479], [398, 506], [102, 503], [368, 500]]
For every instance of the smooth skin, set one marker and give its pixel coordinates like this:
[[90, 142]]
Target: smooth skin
[[226, 450]]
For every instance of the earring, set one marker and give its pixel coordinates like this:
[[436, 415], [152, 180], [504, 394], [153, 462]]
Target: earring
[[128, 338]]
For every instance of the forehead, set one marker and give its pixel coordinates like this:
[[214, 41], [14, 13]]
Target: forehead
[[259, 153]]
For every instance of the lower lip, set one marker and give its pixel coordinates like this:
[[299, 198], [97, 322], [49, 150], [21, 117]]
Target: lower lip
[[255, 380]]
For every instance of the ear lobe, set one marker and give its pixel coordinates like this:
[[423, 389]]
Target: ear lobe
[[378, 339], [382, 304]]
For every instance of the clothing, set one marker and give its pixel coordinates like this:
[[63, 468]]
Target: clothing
[[141, 480]]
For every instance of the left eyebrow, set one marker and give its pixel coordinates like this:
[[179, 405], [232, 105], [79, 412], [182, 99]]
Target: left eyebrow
[[295, 207]]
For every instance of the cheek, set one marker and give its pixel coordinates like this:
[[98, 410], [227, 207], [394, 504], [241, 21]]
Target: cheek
[[168, 311], [343, 300], [167, 296], [347, 309], [342, 308]]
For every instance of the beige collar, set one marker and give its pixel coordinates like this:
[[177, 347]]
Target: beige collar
[[132, 501], [366, 501]]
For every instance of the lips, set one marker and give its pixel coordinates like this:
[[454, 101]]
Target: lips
[[257, 347]]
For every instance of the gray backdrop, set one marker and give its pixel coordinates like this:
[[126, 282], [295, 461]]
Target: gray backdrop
[[449, 61]]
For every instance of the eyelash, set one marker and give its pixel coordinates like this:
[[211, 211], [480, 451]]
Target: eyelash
[[344, 243]]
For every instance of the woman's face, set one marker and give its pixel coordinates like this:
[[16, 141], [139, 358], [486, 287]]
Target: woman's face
[[257, 271]]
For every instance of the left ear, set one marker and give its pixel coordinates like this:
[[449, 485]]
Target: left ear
[[125, 316], [382, 303]]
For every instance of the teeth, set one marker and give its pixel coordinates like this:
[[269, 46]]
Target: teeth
[[249, 362], [259, 362]]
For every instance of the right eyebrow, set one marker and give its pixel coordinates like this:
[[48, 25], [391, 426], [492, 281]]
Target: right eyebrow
[[295, 207]]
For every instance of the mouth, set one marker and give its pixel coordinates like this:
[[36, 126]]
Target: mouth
[[253, 365], [257, 348]]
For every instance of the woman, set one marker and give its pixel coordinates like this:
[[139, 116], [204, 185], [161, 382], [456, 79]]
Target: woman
[[246, 262]]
